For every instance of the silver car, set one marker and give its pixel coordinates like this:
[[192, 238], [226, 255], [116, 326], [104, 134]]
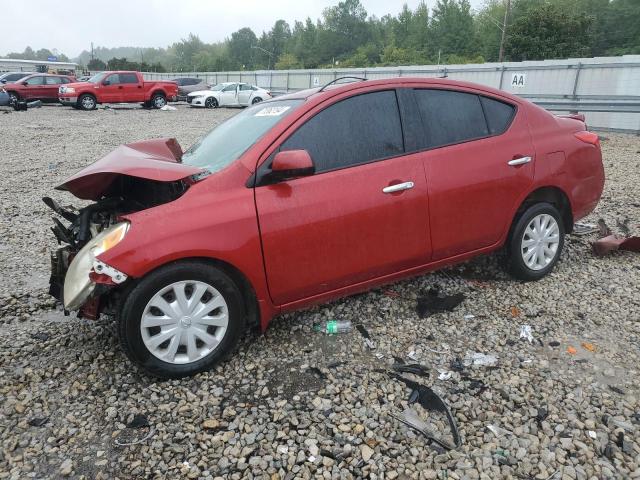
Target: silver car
[[228, 94], [186, 85]]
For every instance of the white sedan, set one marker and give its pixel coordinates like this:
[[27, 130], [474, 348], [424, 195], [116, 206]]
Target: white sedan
[[228, 94]]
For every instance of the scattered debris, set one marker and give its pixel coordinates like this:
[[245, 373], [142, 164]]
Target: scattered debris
[[515, 311], [526, 333], [456, 365], [139, 421], [588, 346], [429, 400], [612, 243], [433, 303], [613, 388], [592, 434], [498, 431], [167, 108], [571, 350], [336, 363], [412, 356], [581, 229], [42, 336], [371, 345], [414, 368], [554, 343], [331, 327], [541, 416], [38, 421], [445, 375], [477, 358], [603, 229]]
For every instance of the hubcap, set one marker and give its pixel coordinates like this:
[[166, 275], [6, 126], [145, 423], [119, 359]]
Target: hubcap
[[184, 322], [87, 102], [540, 241], [159, 102]]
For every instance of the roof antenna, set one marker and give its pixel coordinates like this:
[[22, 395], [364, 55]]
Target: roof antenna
[[360, 79]]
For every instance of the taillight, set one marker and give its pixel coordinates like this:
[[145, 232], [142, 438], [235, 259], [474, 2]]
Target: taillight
[[588, 137]]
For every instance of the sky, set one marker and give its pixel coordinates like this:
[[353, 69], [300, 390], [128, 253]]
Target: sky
[[71, 25]]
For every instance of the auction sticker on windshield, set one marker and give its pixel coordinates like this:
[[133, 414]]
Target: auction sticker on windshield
[[272, 111]]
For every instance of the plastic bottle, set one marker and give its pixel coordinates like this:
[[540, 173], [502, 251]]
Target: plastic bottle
[[333, 326]]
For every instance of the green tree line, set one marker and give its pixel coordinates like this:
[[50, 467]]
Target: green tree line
[[442, 31]]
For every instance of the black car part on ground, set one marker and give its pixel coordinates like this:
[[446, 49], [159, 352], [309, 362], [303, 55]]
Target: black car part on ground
[[429, 400]]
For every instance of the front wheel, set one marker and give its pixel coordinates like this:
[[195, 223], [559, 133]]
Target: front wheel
[[181, 319], [536, 242], [87, 102], [211, 103], [158, 100]]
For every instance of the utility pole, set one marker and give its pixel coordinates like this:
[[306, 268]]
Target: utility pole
[[504, 30]]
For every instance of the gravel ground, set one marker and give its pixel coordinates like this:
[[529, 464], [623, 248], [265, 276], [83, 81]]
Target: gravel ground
[[298, 404]]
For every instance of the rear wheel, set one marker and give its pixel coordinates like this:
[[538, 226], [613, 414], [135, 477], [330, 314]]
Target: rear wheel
[[87, 102], [211, 103], [256, 100], [158, 100], [181, 319], [536, 242]]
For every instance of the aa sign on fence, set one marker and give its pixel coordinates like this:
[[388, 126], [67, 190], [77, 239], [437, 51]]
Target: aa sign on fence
[[518, 79]]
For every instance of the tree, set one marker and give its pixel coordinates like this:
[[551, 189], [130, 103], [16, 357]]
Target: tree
[[547, 31], [452, 29], [345, 28], [288, 61], [96, 64], [241, 52]]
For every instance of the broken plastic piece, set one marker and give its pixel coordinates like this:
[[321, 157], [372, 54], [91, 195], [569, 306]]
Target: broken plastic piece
[[429, 400], [168, 108], [612, 243], [139, 421], [515, 311], [445, 375], [414, 368], [371, 345], [588, 346], [477, 358], [498, 431], [433, 303], [584, 228], [592, 434], [38, 421], [571, 350], [526, 333]]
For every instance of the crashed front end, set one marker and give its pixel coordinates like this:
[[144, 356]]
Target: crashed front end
[[132, 178]]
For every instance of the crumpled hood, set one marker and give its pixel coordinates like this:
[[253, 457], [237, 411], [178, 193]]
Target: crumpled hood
[[157, 159]]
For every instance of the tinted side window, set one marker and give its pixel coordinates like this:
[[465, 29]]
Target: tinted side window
[[128, 78], [113, 79], [229, 88], [35, 81], [245, 87], [498, 114], [357, 130], [450, 117], [53, 80]]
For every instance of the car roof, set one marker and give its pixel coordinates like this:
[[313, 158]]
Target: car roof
[[335, 89]]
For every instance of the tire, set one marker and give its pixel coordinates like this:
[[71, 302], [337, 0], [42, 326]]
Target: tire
[[87, 102], [137, 342], [14, 98], [537, 259], [256, 100], [211, 103], [158, 100]]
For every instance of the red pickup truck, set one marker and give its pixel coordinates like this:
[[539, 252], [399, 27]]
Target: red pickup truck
[[117, 87]]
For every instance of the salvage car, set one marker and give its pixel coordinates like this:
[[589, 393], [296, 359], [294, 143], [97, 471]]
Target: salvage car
[[186, 85], [10, 77], [228, 94], [313, 196], [117, 87], [39, 86]]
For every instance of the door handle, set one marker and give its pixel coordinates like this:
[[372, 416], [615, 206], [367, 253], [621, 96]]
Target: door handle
[[519, 161], [398, 187]]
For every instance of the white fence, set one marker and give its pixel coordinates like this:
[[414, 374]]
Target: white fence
[[606, 89]]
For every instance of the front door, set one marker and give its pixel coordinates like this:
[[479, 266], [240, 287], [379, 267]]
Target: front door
[[362, 215], [111, 93], [35, 88], [479, 160], [229, 95]]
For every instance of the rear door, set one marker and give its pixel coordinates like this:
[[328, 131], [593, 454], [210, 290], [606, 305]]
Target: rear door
[[244, 94], [362, 215], [132, 89], [52, 84], [479, 159], [111, 93]]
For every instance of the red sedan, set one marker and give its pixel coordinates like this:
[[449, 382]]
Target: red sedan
[[39, 86], [313, 196]]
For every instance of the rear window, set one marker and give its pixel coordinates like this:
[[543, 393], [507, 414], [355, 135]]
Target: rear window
[[498, 115], [128, 78], [450, 117], [54, 80]]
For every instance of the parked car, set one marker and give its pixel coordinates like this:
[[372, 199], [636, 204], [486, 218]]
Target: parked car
[[117, 87], [39, 86], [10, 77], [228, 94], [313, 196], [187, 85]]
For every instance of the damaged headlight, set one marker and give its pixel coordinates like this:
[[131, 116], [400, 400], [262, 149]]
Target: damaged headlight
[[77, 284]]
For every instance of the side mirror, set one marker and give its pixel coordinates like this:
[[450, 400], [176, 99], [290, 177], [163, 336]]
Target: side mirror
[[292, 164], [24, 83], [106, 82]]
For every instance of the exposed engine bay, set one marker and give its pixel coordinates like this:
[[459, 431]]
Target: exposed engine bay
[[151, 175]]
